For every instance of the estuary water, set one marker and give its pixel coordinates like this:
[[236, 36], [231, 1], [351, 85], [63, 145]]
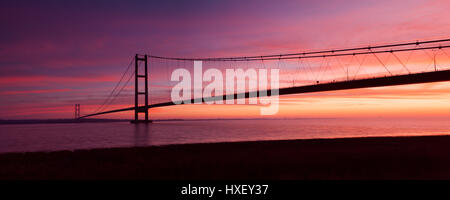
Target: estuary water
[[71, 136]]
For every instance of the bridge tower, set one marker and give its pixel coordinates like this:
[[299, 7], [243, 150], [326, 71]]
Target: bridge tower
[[77, 111], [137, 92]]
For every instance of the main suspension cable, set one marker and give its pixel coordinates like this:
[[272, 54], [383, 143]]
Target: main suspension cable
[[312, 54]]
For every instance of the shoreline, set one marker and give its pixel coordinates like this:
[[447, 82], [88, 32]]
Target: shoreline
[[219, 143], [106, 120], [404, 157]]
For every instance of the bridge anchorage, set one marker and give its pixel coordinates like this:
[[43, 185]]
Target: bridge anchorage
[[140, 109]]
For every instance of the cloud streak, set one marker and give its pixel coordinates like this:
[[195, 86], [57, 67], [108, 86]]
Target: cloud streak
[[60, 53]]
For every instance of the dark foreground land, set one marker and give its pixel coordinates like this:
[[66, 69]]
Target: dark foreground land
[[355, 158]]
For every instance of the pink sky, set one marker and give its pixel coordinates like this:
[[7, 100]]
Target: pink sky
[[56, 54]]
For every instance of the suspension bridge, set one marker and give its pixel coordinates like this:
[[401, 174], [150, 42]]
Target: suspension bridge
[[303, 72]]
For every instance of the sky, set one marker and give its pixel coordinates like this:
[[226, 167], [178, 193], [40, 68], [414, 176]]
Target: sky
[[54, 54]]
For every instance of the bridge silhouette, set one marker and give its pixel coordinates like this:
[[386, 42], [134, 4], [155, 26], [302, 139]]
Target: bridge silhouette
[[378, 80]]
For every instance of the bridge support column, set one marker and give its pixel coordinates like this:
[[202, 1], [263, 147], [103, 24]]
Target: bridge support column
[[77, 111], [137, 92]]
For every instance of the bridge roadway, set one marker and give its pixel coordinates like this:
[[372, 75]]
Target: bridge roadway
[[414, 78]]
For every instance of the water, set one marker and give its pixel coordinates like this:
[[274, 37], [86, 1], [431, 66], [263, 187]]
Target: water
[[52, 137]]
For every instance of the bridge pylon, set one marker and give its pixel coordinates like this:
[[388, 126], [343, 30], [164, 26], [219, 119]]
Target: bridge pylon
[[77, 111], [137, 59]]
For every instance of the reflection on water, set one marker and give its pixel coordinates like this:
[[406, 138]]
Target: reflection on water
[[51, 137], [141, 132]]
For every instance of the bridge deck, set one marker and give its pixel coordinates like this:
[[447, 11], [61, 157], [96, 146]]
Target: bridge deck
[[424, 77]]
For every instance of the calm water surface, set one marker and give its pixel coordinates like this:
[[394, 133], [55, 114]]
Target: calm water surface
[[52, 137]]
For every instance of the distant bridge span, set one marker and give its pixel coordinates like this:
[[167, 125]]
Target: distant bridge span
[[414, 78]]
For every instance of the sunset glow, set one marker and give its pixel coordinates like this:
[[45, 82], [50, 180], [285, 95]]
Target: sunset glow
[[55, 57]]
